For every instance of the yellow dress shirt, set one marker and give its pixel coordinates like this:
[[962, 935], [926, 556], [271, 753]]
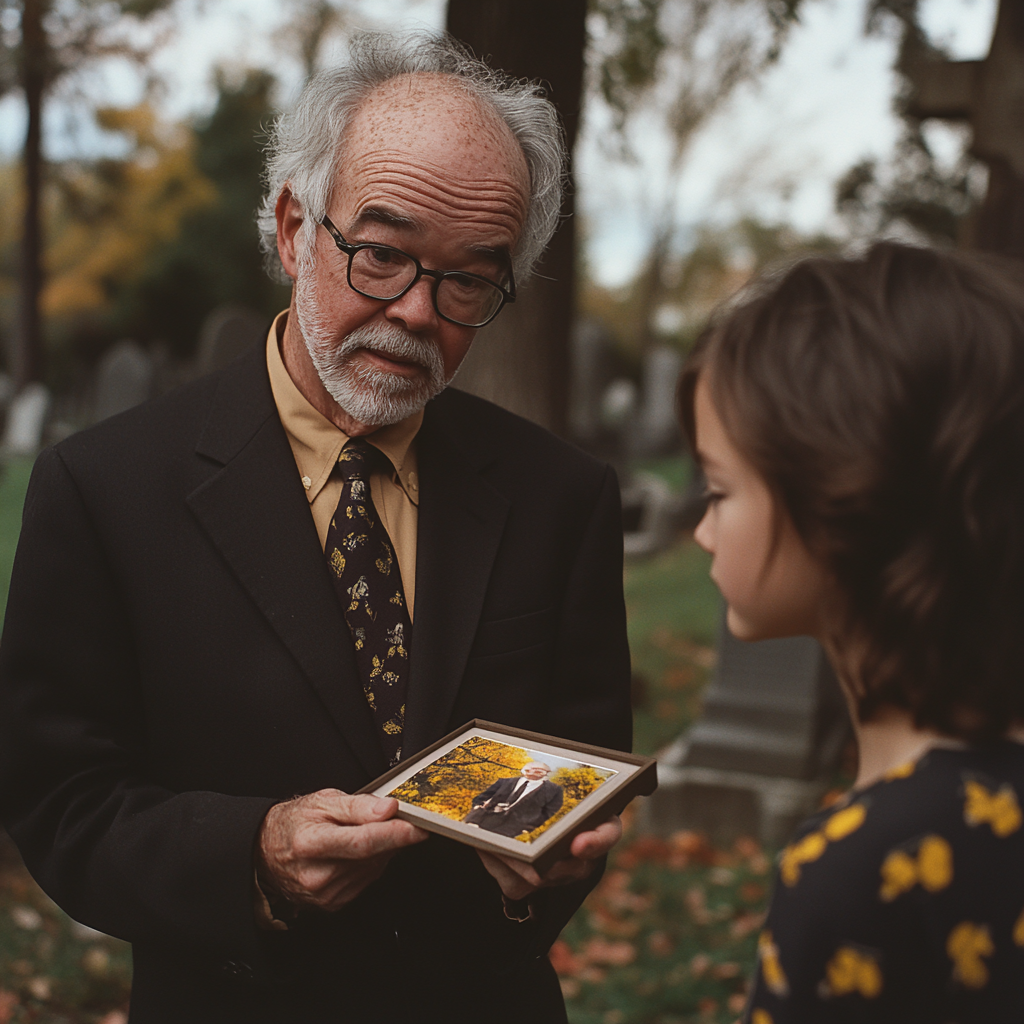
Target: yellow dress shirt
[[316, 444]]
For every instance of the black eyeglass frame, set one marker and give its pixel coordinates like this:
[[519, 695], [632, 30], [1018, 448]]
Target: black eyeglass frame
[[350, 249]]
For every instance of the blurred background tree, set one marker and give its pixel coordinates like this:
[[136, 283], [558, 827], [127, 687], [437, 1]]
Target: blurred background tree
[[56, 41]]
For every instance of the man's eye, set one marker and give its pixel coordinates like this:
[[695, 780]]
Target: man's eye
[[382, 257], [712, 497]]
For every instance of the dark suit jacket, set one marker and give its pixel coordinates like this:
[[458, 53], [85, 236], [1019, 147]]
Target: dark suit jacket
[[174, 661], [526, 814]]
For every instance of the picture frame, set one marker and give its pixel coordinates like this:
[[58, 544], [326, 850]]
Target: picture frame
[[467, 786]]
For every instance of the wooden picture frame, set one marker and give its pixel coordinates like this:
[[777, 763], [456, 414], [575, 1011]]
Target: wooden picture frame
[[434, 788]]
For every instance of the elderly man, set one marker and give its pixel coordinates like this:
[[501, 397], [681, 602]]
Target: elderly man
[[513, 805], [282, 578]]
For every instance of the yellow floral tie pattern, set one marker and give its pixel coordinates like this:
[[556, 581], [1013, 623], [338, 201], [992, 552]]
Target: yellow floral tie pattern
[[368, 582]]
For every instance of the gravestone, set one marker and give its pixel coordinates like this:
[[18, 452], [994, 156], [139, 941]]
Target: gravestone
[[757, 761], [227, 332], [591, 373], [657, 427], [26, 419], [124, 378]]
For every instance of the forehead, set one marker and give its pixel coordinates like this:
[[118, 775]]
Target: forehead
[[421, 148]]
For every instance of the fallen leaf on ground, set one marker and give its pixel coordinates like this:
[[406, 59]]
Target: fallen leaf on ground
[[660, 943], [27, 917], [41, 988], [699, 965], [613, 954], [736, 1002], [8, 1004]]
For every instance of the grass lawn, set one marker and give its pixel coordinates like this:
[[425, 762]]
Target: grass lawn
[[667, 937]]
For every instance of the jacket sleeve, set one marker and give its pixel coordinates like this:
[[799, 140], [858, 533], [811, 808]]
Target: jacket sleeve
[[112, 847], [591, 697]]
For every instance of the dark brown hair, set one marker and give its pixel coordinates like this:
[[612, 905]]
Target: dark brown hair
[[882, 400]]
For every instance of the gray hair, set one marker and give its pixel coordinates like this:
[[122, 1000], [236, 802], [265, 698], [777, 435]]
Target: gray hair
[[305, 145]]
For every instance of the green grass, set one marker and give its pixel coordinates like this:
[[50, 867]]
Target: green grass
[[13, 484]]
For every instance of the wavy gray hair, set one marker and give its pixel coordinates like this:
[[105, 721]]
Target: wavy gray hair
[[305, 145]]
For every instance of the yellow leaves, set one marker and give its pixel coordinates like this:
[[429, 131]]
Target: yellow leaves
[[1018, 930], [967, 944], [337, 562], [760, 1016], [933, 869], [140, 203], [1000, 809], [851, 970]]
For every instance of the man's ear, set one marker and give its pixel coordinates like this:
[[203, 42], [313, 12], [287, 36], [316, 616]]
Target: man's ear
[[289, 221]]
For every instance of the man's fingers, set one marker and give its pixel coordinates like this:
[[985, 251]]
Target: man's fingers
[[343, 809], [596, 843], [327, 841]]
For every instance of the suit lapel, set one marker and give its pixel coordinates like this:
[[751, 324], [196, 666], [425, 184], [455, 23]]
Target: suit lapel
[[461, 520], [255, 513]]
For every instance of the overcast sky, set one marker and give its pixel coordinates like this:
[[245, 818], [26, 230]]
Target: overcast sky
[[774, 151]]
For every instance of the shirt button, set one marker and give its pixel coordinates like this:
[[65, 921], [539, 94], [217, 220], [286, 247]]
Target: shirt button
[[306, 482]]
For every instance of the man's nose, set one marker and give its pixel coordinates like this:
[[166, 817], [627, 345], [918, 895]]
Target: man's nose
[[415, 309]]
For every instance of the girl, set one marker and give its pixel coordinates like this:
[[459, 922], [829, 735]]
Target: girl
[[860, 423]]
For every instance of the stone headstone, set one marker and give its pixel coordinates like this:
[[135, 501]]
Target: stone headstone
[[226, 333], [591, 373], [658, 425], [773, 727], [124, 378], [26, 418]]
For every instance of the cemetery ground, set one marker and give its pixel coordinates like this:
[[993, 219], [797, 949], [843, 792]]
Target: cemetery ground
[[668, 937]]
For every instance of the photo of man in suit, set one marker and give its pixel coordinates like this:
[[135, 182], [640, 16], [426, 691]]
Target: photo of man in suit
[[513, 805], [238, 604]]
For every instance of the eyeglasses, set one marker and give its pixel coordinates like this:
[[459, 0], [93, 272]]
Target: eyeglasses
[[385, 273]]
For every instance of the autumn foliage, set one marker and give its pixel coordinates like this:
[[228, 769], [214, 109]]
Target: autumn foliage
[[448, 785]]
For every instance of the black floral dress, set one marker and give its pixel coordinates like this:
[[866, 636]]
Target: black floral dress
[[904, 902]]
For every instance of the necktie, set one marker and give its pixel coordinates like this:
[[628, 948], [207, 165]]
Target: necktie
[[369, 584]]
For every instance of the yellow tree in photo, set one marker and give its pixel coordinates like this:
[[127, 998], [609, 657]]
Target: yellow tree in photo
[[449, 784], [577, 784]]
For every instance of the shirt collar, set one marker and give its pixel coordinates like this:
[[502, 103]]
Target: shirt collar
[[317, 442]]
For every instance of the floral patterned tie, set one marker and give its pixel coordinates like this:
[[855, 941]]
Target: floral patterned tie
[[369, 585]]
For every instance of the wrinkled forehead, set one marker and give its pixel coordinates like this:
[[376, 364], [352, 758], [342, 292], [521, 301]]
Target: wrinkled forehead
[[436, 119]]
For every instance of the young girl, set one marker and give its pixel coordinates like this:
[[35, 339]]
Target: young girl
[[860, 423]]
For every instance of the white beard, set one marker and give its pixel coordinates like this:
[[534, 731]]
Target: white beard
[[367, 393]]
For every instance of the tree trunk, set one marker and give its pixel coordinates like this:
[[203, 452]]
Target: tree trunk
[[27, 358], [521, 361]]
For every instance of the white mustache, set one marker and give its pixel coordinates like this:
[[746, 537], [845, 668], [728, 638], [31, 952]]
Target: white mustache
[[394, 342]]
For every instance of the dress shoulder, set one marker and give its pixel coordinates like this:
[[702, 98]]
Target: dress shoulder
[[904, 902]]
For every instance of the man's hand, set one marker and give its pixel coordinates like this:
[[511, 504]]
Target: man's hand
[[518, 880], [323, 849]]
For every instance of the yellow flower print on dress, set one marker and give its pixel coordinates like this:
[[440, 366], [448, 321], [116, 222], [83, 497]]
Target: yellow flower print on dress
[[967, 944], [901, 771], [932, 869], [814, 844], [843, 822], [1000, 809], [852, 970], [771, 968], [808, 849], [1018, 930]]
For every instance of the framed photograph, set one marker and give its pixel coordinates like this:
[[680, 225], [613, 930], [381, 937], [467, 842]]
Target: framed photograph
[[519, 793]]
